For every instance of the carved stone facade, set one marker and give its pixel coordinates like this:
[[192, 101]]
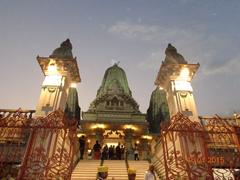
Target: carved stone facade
[[115, 110], [114, 94]]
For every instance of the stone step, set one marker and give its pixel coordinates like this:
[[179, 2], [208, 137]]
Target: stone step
[[86, 170], [140, 166], [116, 169]]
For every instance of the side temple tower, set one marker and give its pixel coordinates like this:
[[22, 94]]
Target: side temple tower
[[175, 76], [61, 74]]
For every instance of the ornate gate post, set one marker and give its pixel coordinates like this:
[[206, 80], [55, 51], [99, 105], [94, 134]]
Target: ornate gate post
[[175, 76], [51, 138]]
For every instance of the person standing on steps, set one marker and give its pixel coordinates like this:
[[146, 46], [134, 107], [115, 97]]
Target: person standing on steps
[[82, 146], [105, 152], [131, 174], [118, 152], [102, 173], [96, 150], [136, 153], [150, 173]]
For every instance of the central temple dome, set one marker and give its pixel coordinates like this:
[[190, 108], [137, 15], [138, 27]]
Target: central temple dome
[[114, 82], [114, 93]]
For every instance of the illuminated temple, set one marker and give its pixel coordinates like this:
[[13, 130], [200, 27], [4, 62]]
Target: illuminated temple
[[44, 143], [113, 116]]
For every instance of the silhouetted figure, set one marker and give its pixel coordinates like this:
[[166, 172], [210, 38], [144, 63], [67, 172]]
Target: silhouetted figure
[[118, 152], [82, 146], [110, 152], [96, 150], [136, 153], [114, 153], [105, 152]]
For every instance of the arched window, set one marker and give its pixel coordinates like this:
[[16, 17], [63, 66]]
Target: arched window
[[115, 102]]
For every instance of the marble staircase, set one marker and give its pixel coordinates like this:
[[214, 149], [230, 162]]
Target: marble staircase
[[116, 169], [86, 170], [140, 166]]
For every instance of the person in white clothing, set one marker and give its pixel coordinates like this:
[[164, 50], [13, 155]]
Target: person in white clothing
[[150, 174]]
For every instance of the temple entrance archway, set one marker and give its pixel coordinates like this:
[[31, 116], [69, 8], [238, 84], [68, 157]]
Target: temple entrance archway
[[112, 137]]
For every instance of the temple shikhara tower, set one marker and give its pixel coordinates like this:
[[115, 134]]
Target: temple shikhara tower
[[113, 116], [58, 141]]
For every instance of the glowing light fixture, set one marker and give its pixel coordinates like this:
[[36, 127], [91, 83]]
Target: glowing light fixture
[[52, 68], [147, 137], [73, 85], [80, 134], [184, 74], [129, 126], [183, 86], [54, 80], [101, 126]]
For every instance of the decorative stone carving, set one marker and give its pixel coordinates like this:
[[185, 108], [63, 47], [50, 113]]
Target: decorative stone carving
[[64, 51], [114, 93], [173, 57]]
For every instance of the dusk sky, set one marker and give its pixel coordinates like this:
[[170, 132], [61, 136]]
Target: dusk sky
[[134, 32]]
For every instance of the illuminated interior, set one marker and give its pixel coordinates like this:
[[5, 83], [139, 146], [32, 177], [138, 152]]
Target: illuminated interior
[[101, 126], [130, 127]]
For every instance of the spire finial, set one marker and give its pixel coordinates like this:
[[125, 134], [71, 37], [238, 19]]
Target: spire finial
[[64, 51]]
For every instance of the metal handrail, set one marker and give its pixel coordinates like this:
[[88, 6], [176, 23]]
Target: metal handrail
[[126, 160]]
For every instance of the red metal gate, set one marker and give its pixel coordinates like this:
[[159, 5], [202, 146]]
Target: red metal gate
[[192, 150], [37, 148]]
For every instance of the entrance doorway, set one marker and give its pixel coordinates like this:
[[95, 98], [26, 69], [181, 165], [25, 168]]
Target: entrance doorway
[[112, 142]]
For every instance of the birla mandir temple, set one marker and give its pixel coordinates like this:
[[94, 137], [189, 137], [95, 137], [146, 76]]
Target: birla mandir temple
[[180, 144]]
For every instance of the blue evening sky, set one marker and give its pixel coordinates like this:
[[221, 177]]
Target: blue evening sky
[[134, 32]]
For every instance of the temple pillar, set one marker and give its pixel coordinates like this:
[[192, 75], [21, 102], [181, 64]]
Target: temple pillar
[[128, 143]]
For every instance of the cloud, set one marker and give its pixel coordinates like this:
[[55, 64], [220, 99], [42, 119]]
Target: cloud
[[231, 66], [194, 42], [131, 31], [154, 33]]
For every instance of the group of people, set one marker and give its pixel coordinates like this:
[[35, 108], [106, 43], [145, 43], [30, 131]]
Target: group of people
[[106, 152], [149, 174], [112, 152]]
